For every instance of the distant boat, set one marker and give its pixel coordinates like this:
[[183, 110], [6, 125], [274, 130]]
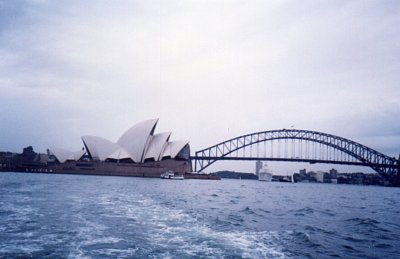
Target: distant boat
[[264, 174], [172, 175], [285, 179]]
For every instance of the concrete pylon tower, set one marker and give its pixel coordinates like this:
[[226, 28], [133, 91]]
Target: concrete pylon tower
[[259, 165]]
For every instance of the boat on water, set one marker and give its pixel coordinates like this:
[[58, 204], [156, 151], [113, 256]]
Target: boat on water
[[264, 174], [172, 175]]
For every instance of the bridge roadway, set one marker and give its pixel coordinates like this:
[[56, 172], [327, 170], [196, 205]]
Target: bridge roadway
[[311, 161]]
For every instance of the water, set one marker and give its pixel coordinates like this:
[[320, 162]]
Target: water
[[68, 216]]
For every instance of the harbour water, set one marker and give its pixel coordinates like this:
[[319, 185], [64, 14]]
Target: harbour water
[[70, 216]]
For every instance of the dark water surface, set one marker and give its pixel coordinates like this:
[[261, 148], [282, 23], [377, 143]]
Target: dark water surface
[[61, 216]]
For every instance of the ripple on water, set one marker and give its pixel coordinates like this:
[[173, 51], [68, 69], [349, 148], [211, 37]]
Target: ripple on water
[[303, 211], [247, 211], [356, 240], [233, 201], [367, 226], [264, 211]]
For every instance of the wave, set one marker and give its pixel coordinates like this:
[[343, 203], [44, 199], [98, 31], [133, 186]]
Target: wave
[[363, 221], [302, 212], [247, 211]]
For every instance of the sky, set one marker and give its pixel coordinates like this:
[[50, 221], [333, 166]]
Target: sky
[[209, 70]]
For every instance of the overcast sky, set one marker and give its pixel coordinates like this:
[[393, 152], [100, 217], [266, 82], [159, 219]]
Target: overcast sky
[[209, 70]]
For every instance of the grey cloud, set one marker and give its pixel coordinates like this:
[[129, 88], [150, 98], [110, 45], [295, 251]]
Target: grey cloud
[[209, 70]]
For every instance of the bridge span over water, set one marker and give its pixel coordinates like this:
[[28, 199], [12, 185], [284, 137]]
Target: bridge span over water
[[293, 145]]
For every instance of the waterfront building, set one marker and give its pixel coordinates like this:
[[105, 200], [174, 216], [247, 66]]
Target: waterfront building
[[312, 176], [320, 176], [137, 151], [333, 173], [137, 145]]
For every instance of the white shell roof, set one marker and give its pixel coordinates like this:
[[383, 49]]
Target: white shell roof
[[136, 139], [137, 143], [120, 153], [99, 148], [63, 155], [158, 142], [173, 148], [79, 154]]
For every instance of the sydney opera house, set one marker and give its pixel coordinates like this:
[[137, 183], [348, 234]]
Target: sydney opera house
[[138, 152]]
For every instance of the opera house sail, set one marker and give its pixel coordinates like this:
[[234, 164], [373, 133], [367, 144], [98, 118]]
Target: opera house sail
[[138, 152]]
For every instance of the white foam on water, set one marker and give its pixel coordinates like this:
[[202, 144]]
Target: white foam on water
[[168, 233], [101, 240], [51, 239], [120, 253], [171, 229], [18, 248], [17, 222], [91, 233], [88, 232], [20, 211], [78, 253], [243, 244]]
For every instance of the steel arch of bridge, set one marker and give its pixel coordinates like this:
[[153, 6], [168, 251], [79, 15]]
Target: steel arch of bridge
[[362, 155]]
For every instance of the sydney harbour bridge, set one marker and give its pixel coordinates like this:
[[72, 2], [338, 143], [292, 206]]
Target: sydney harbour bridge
[[293, 145]]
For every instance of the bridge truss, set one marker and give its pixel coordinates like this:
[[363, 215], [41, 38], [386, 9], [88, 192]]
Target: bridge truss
[[297, 146]]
